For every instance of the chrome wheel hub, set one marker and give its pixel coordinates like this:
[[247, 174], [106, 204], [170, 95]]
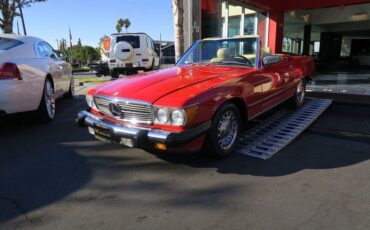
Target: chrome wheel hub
[[300, 93], [72, 86], [227, 130], [49, 99]]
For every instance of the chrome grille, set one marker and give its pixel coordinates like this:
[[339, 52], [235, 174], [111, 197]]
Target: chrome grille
[[132, 111]]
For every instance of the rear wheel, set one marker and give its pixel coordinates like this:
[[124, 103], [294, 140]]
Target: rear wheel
[[114, 74], [46, 108], [224, 133], [71, 91], [151, 67]]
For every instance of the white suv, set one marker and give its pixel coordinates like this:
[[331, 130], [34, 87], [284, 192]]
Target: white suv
[[130, 52]]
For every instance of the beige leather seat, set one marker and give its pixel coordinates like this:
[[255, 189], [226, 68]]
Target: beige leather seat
[[222, 54], [266, 51]]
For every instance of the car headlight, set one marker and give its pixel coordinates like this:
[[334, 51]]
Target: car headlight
[[162, 116], [170, 116], [90, 101], [178, 117]]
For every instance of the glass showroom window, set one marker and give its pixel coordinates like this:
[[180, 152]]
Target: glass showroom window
[[237, 19]]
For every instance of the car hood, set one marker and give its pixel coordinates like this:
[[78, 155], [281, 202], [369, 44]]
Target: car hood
[[155, 85]]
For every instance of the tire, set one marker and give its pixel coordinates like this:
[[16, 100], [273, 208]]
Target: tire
[[216, 143], [46, 108], [71, 91], [151, 68], [297, 100], [114, 74]]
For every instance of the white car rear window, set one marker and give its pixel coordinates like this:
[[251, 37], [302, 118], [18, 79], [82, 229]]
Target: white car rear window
[[133, 40], [7, 43]]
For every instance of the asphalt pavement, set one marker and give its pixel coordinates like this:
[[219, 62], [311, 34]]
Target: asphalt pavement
[[57, 176]]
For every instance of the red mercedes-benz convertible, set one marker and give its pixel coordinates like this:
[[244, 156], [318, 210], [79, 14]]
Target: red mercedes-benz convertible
[[204, 101]]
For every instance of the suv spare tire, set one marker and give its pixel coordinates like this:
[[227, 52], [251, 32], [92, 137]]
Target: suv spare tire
[[123, 50]]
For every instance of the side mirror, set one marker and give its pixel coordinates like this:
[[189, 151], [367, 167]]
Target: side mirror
[[268, 60]]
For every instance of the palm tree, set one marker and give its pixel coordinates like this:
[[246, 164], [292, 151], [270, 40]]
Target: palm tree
[[178, 17], [8, 10], [126, 23], [119, 25]]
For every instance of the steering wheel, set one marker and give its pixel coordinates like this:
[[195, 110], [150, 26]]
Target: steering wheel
[[244, 59]]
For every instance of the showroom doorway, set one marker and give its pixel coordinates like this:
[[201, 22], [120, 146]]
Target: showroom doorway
[[339, 40]]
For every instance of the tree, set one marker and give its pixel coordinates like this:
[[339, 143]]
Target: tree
[[119, 25], [79, 43], [126, 23], [178, 17], [90, 53], [8, 12], [62, 45], [84, 54]]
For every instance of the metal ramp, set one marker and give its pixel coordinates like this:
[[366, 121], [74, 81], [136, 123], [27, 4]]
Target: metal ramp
[[273, 134]]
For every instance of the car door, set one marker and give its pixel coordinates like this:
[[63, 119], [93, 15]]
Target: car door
[[254, 95], [153, 55], [59, 70], [275, 91]]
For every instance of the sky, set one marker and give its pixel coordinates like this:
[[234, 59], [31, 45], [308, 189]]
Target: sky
[[91, 19]]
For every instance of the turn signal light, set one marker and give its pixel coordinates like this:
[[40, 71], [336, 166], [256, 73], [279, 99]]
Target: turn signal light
[[160, 146], [192, 114], [106, 45], [10, 71]]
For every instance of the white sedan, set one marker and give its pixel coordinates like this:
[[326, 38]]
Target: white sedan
[[32, 76]]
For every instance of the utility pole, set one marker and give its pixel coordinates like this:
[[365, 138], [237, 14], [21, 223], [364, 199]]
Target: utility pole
[[18, 27], [160, 50], [21, 13]]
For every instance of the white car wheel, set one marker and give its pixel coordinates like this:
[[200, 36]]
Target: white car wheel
[[47, 104], [71, 90]]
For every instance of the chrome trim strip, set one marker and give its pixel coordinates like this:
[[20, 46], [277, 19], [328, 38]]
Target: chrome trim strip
[[158, 135], [269, 108], [118, 99], [92, 121], [128, 102]]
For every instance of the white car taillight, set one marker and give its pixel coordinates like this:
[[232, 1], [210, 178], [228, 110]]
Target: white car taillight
[[10, 71]]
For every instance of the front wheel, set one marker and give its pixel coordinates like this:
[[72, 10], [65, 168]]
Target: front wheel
[[46, 108], [224, 132]]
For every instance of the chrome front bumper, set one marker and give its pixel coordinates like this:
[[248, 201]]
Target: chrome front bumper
[[109, 131]]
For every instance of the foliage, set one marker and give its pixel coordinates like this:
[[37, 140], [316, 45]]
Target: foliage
[[62, 45], [126, 23], [119, 25], [123, 23], [84, 54], [9, 9], [79, 43]]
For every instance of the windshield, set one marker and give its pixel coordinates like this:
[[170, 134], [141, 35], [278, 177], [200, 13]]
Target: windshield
[[232, 51], [7, 43]]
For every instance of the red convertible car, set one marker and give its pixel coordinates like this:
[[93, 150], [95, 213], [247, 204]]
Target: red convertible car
[[204, 101]]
